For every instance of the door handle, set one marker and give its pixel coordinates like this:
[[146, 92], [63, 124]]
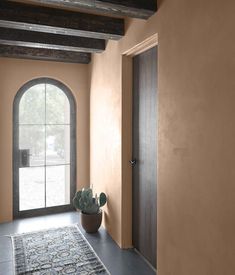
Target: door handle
[[133, 162], [24, 158]]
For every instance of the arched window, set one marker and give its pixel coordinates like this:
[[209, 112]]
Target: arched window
[[44, 157]]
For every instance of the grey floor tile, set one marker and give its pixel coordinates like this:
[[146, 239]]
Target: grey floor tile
[[7, 228], [6, 268], [5, 249]]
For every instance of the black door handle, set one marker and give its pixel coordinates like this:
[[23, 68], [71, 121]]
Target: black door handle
[[24, 158], [133, 162]]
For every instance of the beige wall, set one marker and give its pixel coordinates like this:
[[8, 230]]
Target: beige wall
[[196, 149], [13, 74], [105, 134]]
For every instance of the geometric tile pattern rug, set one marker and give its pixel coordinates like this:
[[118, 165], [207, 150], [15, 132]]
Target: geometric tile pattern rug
[[55, 251]]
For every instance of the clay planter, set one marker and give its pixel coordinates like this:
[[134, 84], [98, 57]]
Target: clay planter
[[91, 222]]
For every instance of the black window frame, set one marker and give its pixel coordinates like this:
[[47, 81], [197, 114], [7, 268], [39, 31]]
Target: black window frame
[[73, 156]]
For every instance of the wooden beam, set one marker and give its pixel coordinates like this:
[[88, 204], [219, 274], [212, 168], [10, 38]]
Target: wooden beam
[[58, 21], [44, 54], [131, 8], [23, 38]]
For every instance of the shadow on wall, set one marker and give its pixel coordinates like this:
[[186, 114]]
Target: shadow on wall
[[110, 212]]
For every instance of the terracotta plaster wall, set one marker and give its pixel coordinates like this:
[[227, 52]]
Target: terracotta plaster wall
[[13, 74], [105, 134], [196, 120]]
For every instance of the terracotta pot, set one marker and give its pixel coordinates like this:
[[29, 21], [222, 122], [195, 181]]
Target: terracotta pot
[[91, 222]]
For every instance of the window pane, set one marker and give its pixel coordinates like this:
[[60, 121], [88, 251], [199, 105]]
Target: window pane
[[32, 188], [33, 138], [58, 144], [32, 106], [57, 106], [58, 185]]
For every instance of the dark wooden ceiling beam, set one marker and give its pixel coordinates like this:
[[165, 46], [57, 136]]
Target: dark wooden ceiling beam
[[58, 21], [131, 8], [23, 38], [44, 54]]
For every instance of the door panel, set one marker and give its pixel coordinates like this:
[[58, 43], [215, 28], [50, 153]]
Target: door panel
[[32, 137], [32, 105], [145, 152], [58, 144], [57, 106], [59, 185], [32, 188], [44, 148]]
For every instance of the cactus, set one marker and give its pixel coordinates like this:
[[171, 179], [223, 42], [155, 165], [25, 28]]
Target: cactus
[[88, 204]]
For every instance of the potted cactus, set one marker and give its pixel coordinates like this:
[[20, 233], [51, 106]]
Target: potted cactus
[[91, 214]]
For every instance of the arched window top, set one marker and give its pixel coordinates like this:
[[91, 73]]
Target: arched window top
[[41, 90], [44, 104]]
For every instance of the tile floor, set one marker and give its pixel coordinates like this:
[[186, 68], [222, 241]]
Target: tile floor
[[117, 261]]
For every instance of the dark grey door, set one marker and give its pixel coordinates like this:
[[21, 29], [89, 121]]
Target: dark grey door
[[145, 154]]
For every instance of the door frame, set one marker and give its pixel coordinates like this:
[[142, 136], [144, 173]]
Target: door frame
[[127, 86], [15, 156]]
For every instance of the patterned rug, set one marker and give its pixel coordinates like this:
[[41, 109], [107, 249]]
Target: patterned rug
[[55, 251]]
